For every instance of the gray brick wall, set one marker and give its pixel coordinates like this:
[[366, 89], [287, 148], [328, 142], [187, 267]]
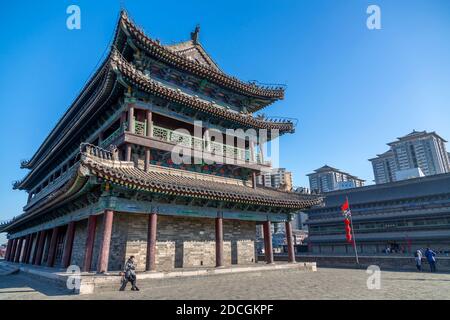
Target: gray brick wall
[[181, 242], [79, 243]]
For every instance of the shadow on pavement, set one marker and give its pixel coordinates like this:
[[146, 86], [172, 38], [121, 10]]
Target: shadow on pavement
[[22, 283]]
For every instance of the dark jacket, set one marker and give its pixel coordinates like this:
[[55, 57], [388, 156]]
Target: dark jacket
[[130, 269], [430, 254]]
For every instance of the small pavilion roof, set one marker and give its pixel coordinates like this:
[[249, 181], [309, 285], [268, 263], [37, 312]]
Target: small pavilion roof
[[137, 78], [194, 51], [175, 55]]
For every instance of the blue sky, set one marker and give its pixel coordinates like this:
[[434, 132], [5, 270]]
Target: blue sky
[[353, 90]]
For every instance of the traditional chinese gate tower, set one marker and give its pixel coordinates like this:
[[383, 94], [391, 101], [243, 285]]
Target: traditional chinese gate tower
[[121, 193]]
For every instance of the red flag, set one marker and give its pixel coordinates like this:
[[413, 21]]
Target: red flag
[[348, 230], [345, 206]]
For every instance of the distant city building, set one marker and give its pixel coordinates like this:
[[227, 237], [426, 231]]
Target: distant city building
[[418, 150], [409, 174], [402, 216], [327, 179], [276, 178], [384, 167]]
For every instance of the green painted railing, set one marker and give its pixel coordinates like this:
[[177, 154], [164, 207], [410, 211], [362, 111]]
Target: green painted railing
[[184, 140], [140, 128], [200, 144], [105, 143]]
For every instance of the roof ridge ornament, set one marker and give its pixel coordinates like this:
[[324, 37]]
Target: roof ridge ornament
[[195, 34]]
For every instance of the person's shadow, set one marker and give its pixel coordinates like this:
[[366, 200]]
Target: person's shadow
[[24, 283]]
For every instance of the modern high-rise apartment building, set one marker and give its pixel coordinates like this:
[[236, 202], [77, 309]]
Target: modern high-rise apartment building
[[276, 178], [327, 179], [419, 153]]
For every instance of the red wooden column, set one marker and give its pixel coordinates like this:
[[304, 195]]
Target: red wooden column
[[268, 242], [52, 247], [47, 240], [68, 244], [30, 248], [92, 224], [128, 151], [150, 264], [18, 250], [103, 257], [14, 251], [8, 250], [290, 242], [147, 160], [12, 254], [25, 249], [39, 248], [219, 242], [33, 250], [131, 127], [149, 132]]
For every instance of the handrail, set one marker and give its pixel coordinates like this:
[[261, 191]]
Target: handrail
[[202, 144], [105, 143], [89, 149], [183, 139]]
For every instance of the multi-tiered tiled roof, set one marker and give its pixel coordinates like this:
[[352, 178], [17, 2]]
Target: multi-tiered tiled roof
[[176, 58], [103, 166], [120, 73], [103, 85]]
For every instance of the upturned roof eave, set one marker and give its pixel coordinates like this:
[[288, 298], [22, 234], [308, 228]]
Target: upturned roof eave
[[152, 47], [136, 78], [120, 44], [120, 32], [74, 186]]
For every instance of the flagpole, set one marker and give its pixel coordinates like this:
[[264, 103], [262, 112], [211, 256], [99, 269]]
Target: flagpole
[[353, 233]]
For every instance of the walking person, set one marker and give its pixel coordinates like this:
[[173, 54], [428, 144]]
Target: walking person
[[130, 275], [418, 258], [431, 258]]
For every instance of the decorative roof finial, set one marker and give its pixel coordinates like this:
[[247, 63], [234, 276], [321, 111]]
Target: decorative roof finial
[[194, 35]]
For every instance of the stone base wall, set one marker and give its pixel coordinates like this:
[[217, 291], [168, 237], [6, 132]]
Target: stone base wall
[[79, 243], [378, 248], [182, 242], [394, 263]]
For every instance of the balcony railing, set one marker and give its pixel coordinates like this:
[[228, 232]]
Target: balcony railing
[[105, 143], [189, 141], [140, 127], [185, 140]]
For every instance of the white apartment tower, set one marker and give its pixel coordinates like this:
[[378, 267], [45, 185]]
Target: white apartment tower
[[276, 178], [421, 152], [327, 179]]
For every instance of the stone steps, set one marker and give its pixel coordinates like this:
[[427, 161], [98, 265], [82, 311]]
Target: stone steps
[[88, 283], [7, 269]]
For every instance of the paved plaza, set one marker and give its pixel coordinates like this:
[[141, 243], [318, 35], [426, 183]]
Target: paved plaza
[[286, 284]]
